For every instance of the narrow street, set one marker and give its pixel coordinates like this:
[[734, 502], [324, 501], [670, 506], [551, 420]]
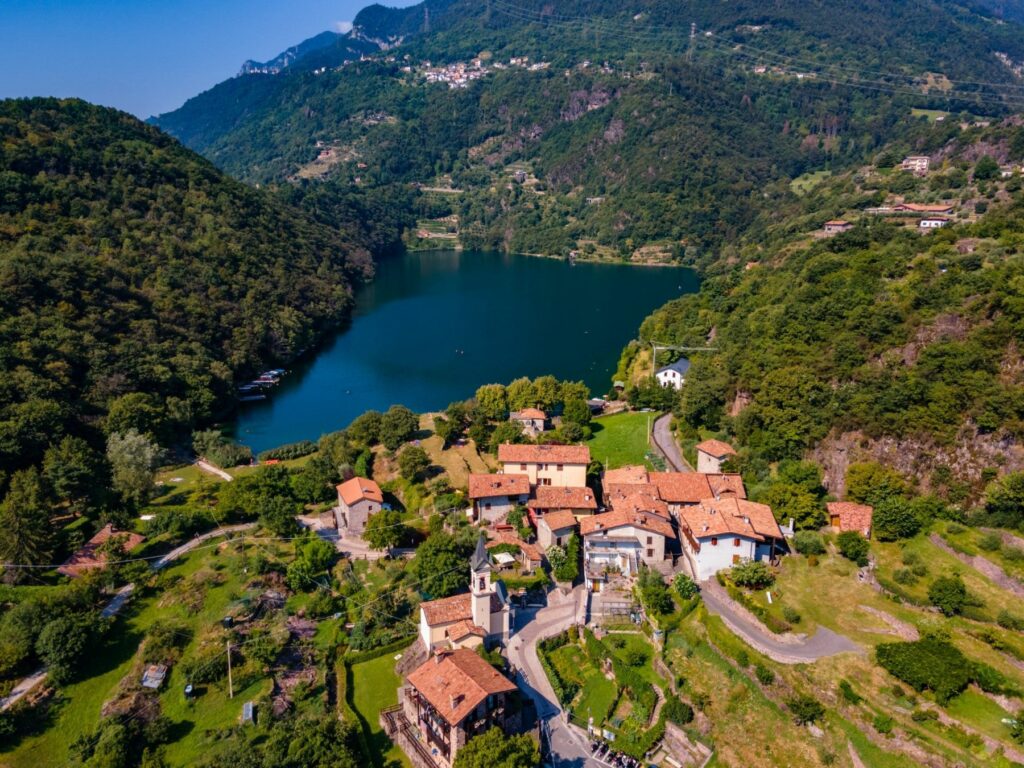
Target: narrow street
[[666, 444], [569, 747]]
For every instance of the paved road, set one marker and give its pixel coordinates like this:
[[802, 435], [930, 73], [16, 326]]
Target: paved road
[[569, 747], [117, 602], [823, 643], [665, 442]]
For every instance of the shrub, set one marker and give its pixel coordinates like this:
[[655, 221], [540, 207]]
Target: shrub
[[685, 586], [791, 614], [904, 576], [854, 547], [289, 451], [654, 593], [677, 711], [805, 709], [570, 568], [1007, 620], [809, 543], [895, 519], [764, 674], [752, 574], [927, 664], [847, 692], [743, 658], [990, 542], [948, 594], [1013, 554], [883, 724]]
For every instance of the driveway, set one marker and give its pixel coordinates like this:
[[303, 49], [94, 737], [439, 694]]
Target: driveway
[[569, 746], [667, 446], [823, 643]]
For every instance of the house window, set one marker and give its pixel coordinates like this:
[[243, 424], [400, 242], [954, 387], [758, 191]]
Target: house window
[[714, 541], [736, 542], [650, 539], [522, 467], [650, 553], [487, 505], [482, 582], [561, 467], [545, 481]]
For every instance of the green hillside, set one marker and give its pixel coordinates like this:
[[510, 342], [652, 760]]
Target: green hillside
[[136, 279]]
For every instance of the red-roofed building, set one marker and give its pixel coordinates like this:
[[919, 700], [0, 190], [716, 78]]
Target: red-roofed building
[[494, 496], [449, 699], [550, 498], [850, 516], [358, 498], [711, 454], [619, 541], [533, 420], [90, 555], [719, 533], [559, 465], [555, 527]]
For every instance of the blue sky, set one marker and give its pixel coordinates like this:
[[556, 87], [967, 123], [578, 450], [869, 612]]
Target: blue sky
[[149, 56]]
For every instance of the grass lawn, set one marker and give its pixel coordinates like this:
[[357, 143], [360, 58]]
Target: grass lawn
[[621, 439], [458, 461], [975, 708], [595, 697], [931, 114], [375, 687], [804, 184]]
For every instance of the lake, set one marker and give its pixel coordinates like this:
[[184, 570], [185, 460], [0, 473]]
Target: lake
[[433, 326]]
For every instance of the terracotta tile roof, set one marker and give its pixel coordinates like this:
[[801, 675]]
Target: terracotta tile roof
[[727, 484], [852, 516], [837, 223], [463, 629], [617, 519], [682, 487], [716, 448], [552, 497], [88, 557], [640, 501], [509, 453], [529, 413], [485, 486], [718, 517], [531, 552], [456, 682], [559, 520], [359, 488], [448, 609], [632, 475]]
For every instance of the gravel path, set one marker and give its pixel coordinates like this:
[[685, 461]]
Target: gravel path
[[206, 466], [781, 648], [983, 565]]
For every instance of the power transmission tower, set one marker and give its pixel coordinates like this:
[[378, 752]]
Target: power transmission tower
[[693, 41], [426, 20]]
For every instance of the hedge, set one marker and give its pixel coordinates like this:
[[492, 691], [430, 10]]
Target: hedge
[[773, 622], [565, 690], [375, 653], [289, 451], [929, 664]]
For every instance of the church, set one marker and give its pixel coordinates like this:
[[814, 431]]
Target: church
[[483, 616]]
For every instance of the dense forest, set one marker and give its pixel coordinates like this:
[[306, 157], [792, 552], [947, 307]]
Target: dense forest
[[136, 282], [633, 136], [879, 343]]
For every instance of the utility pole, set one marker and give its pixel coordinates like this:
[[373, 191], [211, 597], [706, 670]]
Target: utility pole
[[693, 41], [231, 687]]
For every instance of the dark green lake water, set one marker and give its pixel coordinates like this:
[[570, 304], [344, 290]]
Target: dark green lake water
[[434, 326]]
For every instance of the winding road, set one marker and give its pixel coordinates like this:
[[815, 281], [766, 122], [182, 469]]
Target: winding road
[[823, 643], [569, 747]]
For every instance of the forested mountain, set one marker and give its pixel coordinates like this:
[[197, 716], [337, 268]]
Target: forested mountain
[[136, 279], [635, 139], [878, 344]]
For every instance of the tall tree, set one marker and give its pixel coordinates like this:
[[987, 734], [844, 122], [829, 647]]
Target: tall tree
[[494, 749], [26, 536], [133, 457]]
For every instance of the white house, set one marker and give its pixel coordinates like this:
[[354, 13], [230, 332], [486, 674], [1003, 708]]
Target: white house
[[620, 541], [932, 222], [358, 498], [711, 454], [720, 533], [494, 496], [483, 616], [916, 164], [674, 374]]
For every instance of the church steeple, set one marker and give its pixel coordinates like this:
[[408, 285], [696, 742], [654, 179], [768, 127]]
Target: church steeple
[[480, 585]]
